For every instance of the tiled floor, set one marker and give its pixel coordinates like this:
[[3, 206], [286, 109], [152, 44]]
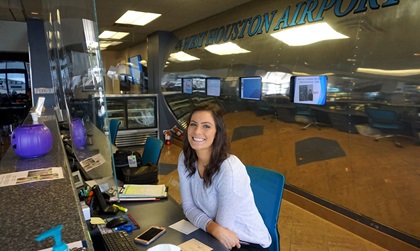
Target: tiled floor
[[299, 229]]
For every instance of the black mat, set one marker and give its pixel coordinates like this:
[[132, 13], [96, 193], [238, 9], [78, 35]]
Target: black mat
[[317, 149], [165, 169], [246, 132]]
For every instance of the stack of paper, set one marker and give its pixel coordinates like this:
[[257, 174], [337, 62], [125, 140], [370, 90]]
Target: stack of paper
[[133, 192]]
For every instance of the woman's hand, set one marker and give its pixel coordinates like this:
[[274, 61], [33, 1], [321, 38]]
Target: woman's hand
[[228, 238]]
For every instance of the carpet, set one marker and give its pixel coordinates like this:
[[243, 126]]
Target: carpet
[[317, 149], [246, 132]]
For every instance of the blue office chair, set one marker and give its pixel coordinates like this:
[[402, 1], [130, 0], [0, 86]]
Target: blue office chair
[[152, 149], [114, 125], [268, 186], [387, 121]]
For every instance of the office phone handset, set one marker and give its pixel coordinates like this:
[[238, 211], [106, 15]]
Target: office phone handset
[[101, 203]]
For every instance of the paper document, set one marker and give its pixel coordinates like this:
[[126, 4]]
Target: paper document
[[184, 226], [144, 191], [92, 162], [17, 178], [194, 245]]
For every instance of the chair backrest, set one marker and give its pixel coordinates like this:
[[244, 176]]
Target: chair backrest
[[152, 150], [383, 118], [303, 110], [267, 187], [114, 125]]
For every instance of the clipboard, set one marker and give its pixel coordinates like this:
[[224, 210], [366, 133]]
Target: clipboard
[[143, 191]]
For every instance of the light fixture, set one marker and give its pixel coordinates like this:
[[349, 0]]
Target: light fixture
[[137, 18], [105, 44], [181, 56], [228, 48], [112, 34], [308, 34], [399, 73]]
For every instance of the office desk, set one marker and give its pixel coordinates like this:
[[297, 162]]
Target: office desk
[[165, 213]]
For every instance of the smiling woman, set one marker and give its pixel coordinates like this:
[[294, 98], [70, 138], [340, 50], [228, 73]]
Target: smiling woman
[[215, 187]]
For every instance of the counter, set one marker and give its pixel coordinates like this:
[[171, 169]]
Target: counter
[[29, 209]]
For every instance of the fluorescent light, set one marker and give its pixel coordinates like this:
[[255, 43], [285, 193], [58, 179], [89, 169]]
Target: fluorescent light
[[308, 34], [105, 44], [181, 56], [113, 34], [225, 49], [137, 18], [399, 73]]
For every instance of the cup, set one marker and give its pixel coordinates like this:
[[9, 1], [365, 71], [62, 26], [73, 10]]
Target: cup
[[34, 117]]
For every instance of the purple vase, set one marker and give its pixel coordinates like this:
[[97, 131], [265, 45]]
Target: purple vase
[[31, 141], [78, 132]]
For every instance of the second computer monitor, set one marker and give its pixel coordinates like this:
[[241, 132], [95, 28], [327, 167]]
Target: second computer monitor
[[213, 87], [250, 87]]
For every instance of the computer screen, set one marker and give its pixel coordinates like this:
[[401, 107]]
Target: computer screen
[[250, 87], [311, 90], [136, 69], [213, 87], [187, 85]]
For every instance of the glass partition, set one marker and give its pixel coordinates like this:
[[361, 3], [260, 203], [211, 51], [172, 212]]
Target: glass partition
[[78, 77], [373, 66]]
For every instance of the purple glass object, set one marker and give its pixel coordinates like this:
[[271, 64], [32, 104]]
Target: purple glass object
[[78, 132], [31, 141]]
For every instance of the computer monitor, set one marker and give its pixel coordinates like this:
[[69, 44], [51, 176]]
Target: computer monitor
[[311, 90], [213, 87], [250, 87], [187, 85]]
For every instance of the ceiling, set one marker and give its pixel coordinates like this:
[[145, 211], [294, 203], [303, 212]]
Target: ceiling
[[175, 14]]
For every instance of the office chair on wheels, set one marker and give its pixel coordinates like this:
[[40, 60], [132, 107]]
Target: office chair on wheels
[[152, 150], [267, 187], [387, 121], [114, 125], [305, 114]]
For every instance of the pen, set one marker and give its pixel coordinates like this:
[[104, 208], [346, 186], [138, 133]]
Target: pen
[[89, 198], [120, 208]]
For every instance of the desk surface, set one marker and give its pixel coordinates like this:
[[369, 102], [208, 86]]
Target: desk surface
[[97, 142], [29, 209], [165, 213]]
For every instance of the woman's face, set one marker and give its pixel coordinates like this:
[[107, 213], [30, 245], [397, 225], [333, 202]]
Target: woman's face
[[202, 131]]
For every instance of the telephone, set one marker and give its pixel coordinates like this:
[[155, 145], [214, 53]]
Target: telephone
[[103, 207]]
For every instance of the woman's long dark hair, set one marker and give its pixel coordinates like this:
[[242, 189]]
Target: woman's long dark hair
[[220, 144]]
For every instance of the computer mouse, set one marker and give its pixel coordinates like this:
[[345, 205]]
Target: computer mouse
[[116, 222]]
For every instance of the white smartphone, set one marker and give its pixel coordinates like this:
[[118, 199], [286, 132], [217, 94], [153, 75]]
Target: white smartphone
[[150, 235]]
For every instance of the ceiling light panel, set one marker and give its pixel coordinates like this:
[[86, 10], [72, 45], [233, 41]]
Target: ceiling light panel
[[308, 34], [137, 18], [181, 57], [225, 49], [112, 34]]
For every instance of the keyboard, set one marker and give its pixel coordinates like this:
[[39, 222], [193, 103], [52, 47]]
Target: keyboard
[[119, 241]]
